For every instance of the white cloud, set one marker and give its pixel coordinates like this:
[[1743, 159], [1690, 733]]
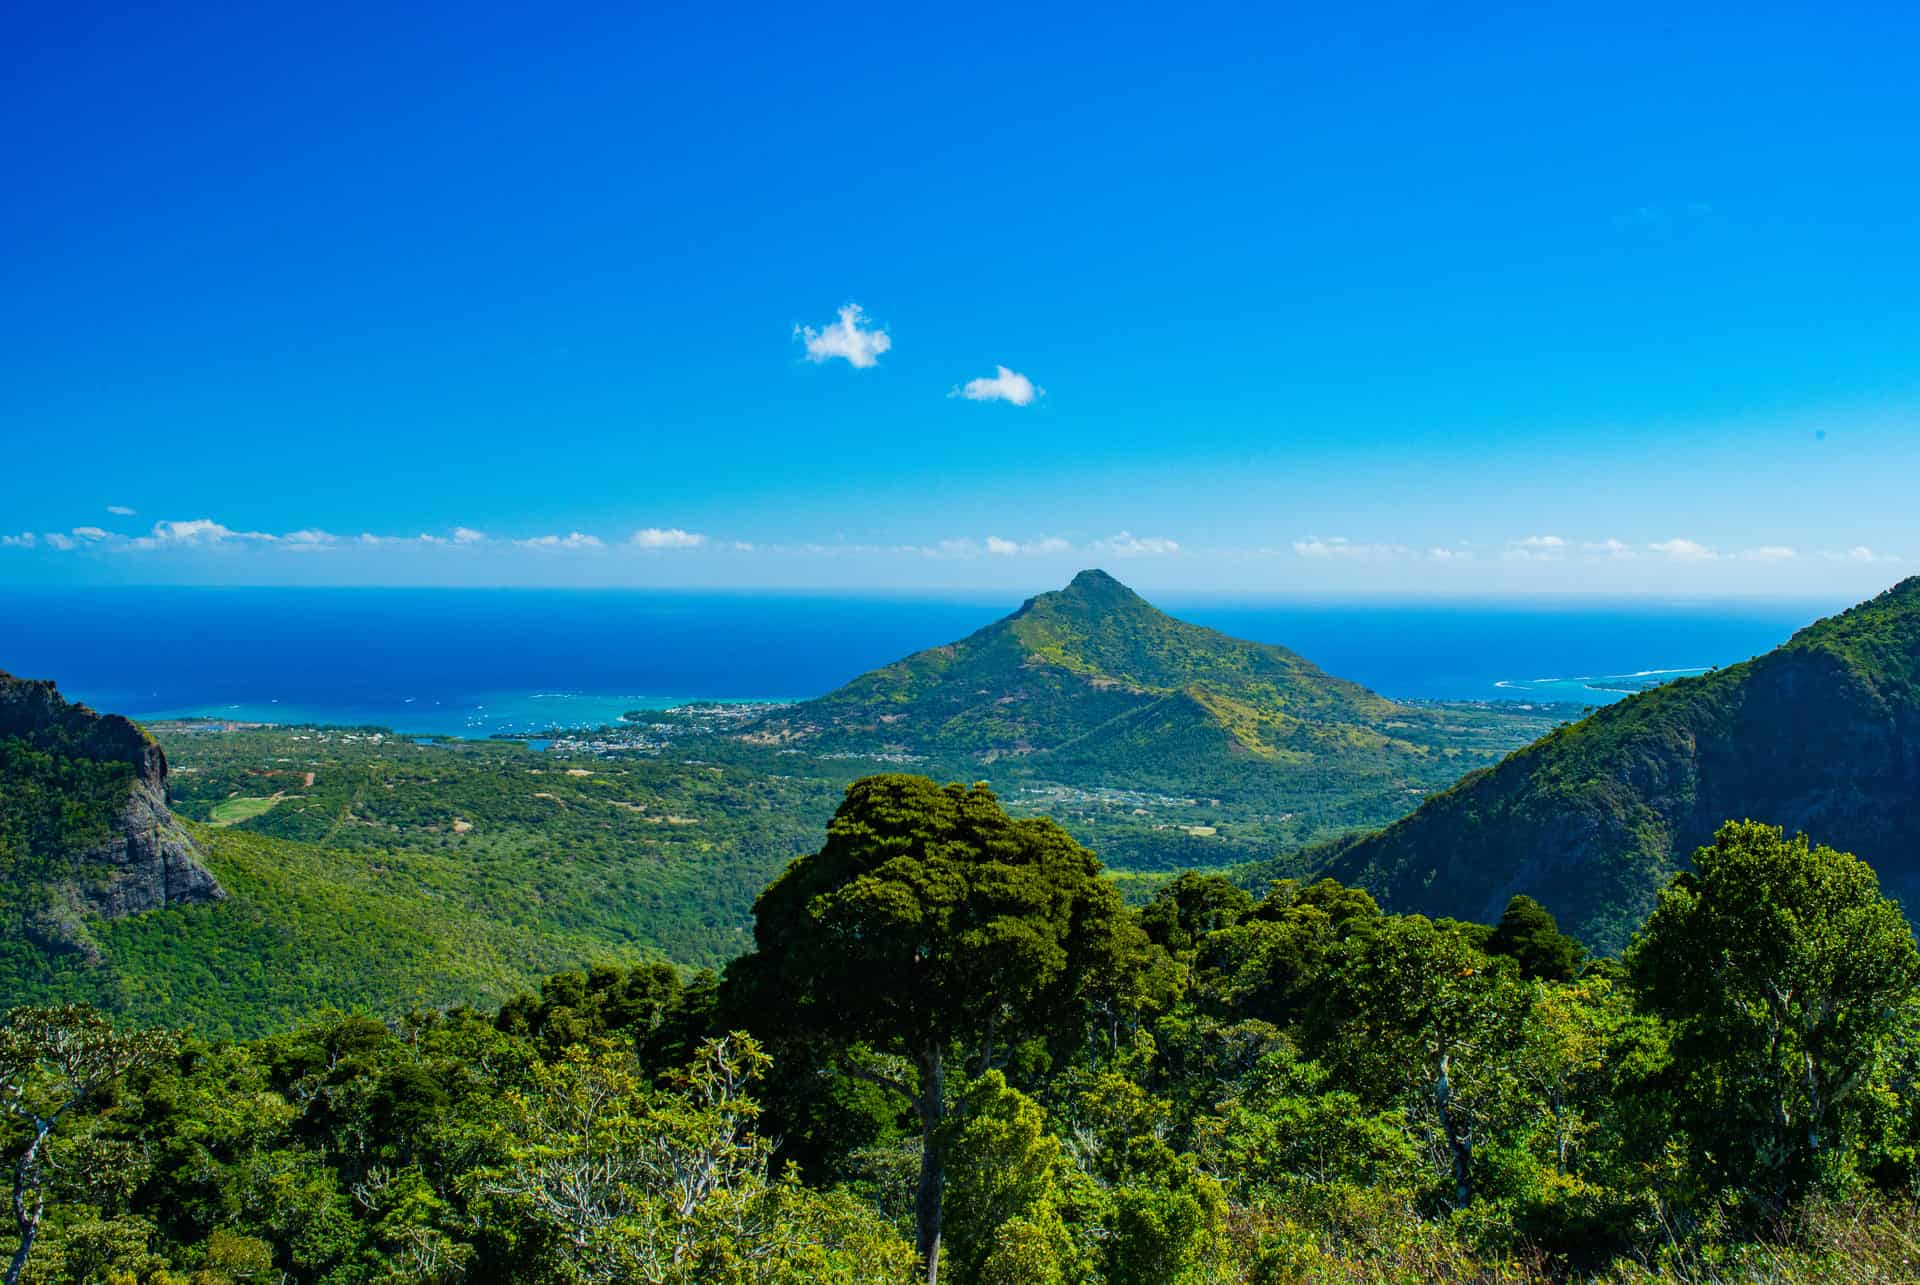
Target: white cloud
[[572, 540], [1859, 553], [25, 540], [1448, 555], [1338, 546], [1683, 550], [1610, 548], [467, 535], [424, 538], [654, 537], [1004, 386], [1013, 548], [120, 510], [1768, 553], [309, 537], [845, 338], [1124, 544], [193, 533], [90, 533], [57, 541], [1535, 548]]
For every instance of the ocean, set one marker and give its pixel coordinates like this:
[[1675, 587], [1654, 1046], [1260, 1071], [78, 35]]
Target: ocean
[[458, 662]]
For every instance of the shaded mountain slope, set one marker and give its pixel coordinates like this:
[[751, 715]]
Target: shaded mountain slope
[[1821, 734]]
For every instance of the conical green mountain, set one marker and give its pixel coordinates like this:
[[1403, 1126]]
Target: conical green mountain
[[1093, 685], [1821, 734], [1091, 659]]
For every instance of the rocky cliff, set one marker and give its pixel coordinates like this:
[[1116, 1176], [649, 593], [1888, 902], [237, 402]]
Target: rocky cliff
[[90, 831]]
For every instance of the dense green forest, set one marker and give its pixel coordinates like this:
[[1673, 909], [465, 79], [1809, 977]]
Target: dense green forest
[[1821, 734], [367, 869], [953, 1049], [364, 870]]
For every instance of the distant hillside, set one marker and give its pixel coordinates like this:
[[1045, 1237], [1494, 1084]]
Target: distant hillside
[[84, 825], [1821, 734], [1092, 684]]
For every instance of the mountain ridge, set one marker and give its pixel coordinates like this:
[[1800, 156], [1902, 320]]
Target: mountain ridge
[[1821, 734]]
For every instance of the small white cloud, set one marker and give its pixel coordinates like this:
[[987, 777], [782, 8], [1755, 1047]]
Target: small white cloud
[[1768, 553], [845, 338], [90, 533], [1338, 546], [654, 537], [1448, 555], [740, 546], [1014, 548], [1535, 548], [1610, 548], [1859, 553], [467, 535], [425, 538], [368, 537], [309, 538], [120, 510], [572, 540], [57, 541], [202, 531], [1683, 550], [25, 540], [193, 533], [1125, 544], [1004, 386]]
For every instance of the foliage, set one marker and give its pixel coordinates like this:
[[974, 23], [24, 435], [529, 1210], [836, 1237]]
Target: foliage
[[1783, 970], [931, 920]]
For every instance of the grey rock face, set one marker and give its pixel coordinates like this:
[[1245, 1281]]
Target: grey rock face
[[147, 863]]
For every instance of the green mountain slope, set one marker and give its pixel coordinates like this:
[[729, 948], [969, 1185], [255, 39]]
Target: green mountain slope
[[1067, 664], [1822, 734]]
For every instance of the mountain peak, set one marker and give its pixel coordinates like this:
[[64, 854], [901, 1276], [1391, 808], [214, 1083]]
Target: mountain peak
[[1093, 578], [1095, 588]]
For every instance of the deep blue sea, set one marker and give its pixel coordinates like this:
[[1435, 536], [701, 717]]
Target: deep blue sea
[[478, 662]]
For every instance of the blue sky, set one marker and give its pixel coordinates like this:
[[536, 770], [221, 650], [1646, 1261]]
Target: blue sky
[[1391, 298]]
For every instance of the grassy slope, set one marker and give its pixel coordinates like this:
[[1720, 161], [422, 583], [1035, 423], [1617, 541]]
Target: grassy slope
[[1821, 734]]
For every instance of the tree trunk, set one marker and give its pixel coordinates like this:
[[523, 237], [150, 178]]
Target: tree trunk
[[1461, 1149], [933, 1177], [27, 1175]]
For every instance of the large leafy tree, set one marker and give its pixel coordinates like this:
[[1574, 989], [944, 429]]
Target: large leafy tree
[[1413, 1013], [1782, 967], [931, 924]]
